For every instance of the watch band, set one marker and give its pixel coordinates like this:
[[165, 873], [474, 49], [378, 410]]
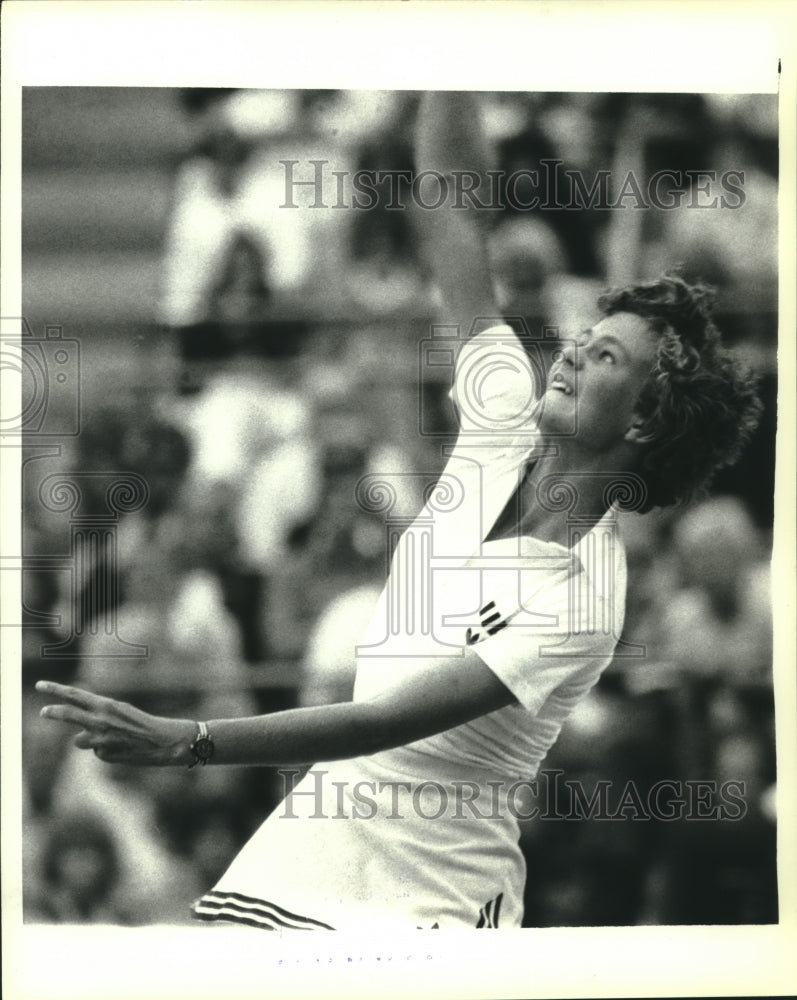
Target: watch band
[[203, 746]]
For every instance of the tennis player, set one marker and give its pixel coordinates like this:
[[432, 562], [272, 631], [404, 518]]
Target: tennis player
[[503, 605]]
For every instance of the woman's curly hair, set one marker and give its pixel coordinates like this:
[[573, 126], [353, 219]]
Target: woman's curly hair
[[698, 406]]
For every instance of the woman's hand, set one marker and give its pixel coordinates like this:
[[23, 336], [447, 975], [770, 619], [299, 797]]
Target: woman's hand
[[117, 732]]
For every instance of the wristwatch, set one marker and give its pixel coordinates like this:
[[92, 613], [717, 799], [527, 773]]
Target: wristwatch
[[202, 748]]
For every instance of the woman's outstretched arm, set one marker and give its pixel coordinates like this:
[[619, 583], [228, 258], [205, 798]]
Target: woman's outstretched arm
[[443, 693]]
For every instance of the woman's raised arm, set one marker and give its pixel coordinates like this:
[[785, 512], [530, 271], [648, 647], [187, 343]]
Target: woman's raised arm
[[450, 142]]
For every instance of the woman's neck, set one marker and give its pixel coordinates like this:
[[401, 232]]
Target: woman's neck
[[558, 487]]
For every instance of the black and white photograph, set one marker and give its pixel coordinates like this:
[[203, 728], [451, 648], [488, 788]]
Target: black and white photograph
[[400, 502]]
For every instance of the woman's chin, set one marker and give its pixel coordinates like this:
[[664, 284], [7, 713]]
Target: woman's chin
[[556, 413]]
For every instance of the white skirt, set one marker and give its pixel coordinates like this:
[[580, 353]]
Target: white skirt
[[383, 841]]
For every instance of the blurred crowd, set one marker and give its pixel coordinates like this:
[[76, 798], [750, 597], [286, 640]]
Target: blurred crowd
[[251, 570]]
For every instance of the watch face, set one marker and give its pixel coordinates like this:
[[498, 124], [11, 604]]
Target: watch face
[[203, 748]]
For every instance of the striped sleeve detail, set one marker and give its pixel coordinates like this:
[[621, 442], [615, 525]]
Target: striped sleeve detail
[[254, 912], [491, 622]]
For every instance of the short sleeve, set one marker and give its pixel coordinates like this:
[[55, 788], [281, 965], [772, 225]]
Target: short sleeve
[[496, 388], [533, 654]]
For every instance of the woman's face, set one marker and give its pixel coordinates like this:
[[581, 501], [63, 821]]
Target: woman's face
[[594, 386]]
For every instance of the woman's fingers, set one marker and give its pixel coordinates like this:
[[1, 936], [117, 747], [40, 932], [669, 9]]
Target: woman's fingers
[[92, 711], [115, 731], [72, 695], [76, 716]]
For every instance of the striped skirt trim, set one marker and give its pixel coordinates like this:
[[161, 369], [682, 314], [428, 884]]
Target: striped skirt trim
[[488, 915], [254, 912]]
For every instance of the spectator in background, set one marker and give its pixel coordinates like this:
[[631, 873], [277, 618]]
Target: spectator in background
[[203, 224], [233, 192], [724, 872], [383, 273], [330, 661], [203, 823], [152, 879], [348, 545], [250, 436], [240, 295], [79, 874], [569, 130], [525, 254], [718, 624], [733, 247]]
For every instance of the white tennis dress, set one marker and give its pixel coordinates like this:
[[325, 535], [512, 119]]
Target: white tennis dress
[[426, 835]]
